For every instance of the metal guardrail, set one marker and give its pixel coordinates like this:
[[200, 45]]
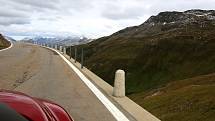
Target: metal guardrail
[[118, 91], [119, 82], [62, 49]]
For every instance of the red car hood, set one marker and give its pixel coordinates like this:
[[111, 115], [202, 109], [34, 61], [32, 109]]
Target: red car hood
[[33, 108]]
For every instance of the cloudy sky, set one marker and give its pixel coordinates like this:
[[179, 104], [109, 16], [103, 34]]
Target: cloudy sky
[[91, 18]]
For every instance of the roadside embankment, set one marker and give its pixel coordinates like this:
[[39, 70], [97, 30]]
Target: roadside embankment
[[132, 110], [4, 43]]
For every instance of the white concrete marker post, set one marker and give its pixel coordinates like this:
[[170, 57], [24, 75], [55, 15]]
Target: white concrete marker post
[[55, 47], [119, 84], [61, 49], [64, 50]]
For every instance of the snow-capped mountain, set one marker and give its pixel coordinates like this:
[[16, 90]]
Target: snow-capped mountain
[[169, 21], [181, 17], [9, 38], [66, 41]]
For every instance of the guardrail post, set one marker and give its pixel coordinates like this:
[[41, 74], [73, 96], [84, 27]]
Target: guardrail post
[[75, 54], [119, 84], [82, 58], [70, 50], [55, 47]]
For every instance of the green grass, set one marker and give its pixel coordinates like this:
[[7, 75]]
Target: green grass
[[189, 104], [185, 100], [172, 55]]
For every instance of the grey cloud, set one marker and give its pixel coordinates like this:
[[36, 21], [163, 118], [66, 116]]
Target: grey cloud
[[117, 13], [9, 16], [78, 5], [21, 11], [40, 4], [12, 13], [16, 20], [53, 18], [122, 15], [74, 13]]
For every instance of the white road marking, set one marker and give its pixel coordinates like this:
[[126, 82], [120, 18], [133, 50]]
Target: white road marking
[[11, 45], [110, 106]]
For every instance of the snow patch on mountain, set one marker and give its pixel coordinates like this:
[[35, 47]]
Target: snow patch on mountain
[[186, 17]]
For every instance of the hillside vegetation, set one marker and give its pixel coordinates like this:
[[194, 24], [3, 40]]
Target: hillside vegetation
[[164, 50], [185, 100], [3, 42]]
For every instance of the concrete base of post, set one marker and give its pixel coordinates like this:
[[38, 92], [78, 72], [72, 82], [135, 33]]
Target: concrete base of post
[[119, 84]]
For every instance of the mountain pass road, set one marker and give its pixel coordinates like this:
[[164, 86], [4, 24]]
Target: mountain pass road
[[40, 72]]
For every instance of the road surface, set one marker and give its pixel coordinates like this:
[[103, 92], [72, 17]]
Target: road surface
[[40, 72]]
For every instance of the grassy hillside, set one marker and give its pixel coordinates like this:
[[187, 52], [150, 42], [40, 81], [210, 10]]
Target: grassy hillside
[[153, 61], [185, 100], [3, 42], [166, 63]]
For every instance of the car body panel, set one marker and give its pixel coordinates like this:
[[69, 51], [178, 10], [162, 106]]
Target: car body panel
[[33, 108]]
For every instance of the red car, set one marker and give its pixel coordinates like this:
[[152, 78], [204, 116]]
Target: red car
[[16, 106]]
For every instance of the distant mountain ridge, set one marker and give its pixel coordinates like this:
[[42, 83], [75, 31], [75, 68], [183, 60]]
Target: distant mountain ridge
[[66, 41], [182, 17], [169, 20]]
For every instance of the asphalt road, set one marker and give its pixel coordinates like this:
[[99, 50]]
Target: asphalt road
[[40, 72]]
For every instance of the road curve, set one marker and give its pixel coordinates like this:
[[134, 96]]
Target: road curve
[[42, 73]]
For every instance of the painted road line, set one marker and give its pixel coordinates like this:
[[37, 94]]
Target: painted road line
[[11, 45], [107, 103]]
